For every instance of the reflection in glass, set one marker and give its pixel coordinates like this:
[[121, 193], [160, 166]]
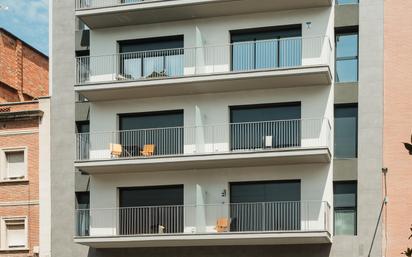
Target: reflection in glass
[[347, 57]]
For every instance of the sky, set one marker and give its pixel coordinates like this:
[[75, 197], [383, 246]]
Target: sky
[[28, 20]]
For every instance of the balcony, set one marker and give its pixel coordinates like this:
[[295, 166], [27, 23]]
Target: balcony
[[114, 13], [210, 146], [238, 66], [299, 222]]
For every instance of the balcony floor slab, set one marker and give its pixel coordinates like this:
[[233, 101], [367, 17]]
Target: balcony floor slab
[[317, 75], [267, 238], [218, 160]]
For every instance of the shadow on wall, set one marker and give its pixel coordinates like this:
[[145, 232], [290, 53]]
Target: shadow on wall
[[319, 250]]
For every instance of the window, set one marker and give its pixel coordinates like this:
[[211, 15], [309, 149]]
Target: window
[[346, 55], [163, 129], [345, 207], [153, 57], [14, 231], [83, 139], [266, 48], [344, 2], [83, 213], [15, 166], [346, 131], [83, 126], [265, 126]]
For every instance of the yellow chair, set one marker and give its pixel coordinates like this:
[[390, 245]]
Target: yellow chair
[[223, 225], [148, 150]]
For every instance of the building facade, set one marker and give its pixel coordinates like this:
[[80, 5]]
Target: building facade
[[23, 104], [218, 128]]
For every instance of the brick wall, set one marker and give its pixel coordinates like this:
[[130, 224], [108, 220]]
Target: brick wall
[[398, 126], [22, 69], [26, 191], [23, 76]]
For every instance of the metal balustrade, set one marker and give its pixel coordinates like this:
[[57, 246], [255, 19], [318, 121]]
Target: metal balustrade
[[184, 62], [209, 139], [287, 216], [91, 4]]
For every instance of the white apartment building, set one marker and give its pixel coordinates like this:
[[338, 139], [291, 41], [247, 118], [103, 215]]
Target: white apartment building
[[209, 127]]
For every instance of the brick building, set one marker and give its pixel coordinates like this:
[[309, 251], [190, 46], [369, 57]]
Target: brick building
[[23, 97]]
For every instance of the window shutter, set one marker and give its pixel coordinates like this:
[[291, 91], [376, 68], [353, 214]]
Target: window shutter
[[16, 235], [16, 167]]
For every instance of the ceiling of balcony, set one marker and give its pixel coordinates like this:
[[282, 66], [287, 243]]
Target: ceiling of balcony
[[164, 11]]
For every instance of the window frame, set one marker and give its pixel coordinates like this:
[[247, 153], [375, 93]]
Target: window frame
[[4, 169], [3, 232], [354, 208], [337, 3], [348, 105], [346, 31]]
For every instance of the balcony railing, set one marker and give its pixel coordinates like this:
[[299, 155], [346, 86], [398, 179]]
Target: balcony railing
[[209, 139], [288, 216], [91, 4], [184, 62]]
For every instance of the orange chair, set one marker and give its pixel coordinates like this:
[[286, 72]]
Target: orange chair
[[148, 150], [223, 225], [116, 150]]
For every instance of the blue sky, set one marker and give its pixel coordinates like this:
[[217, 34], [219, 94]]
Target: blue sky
[[27, 19]]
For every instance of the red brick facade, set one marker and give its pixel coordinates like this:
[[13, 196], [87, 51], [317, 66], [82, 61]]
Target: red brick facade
[[23, 78], [23, 70]]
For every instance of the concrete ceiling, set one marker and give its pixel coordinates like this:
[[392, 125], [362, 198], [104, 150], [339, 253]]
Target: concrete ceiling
[[163, 11]]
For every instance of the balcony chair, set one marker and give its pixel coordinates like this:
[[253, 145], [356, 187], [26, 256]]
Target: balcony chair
[[223, 225], [157, 74], [148, 150], [116, 151]]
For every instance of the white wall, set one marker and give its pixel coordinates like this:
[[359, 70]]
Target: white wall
[[206, 185], [213, 31], [210, 114], [213, 108], [316, 184], [213, 36]]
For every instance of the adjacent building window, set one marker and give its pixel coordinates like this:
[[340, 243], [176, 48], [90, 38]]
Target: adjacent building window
[[14, 164], [150, 58], [344, 2], [265, 48], [346, 131], [345, 207], [15, 232], [347, 55]]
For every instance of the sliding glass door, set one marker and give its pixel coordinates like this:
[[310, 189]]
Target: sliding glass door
[[151, 58], [160, 132], [265, 126], [265, 206], [151, 210], [266, 48]]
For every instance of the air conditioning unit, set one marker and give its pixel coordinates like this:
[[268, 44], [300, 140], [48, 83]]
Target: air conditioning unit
[[268, 141], [36, 250]]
